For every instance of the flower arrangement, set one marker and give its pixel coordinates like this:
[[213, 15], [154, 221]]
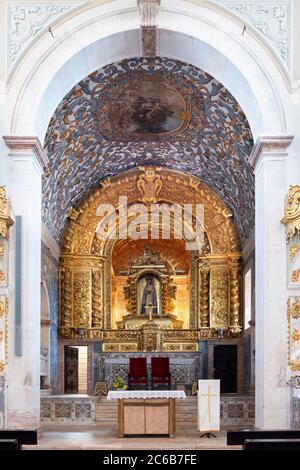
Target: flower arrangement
[[120, 384]]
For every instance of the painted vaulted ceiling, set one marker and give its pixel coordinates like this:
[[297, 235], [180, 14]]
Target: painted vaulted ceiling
[[147, 112]]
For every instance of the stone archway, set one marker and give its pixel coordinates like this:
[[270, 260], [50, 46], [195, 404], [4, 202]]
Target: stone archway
[[37, 88], [197, 34]]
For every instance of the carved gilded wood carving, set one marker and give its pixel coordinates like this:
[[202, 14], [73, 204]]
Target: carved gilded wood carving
[[86, 263]]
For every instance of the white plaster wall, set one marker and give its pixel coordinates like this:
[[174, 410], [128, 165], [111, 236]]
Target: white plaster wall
[[272, 398], [23, 378]]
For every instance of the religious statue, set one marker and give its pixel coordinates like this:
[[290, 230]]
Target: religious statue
[[149, 299]]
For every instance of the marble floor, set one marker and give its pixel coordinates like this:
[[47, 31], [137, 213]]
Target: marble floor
[[105, 438]]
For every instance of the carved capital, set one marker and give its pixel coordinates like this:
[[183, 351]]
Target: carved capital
[[149, 11], [269, 145], [27, 145]]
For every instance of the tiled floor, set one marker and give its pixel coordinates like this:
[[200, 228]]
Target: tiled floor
[[96, 438]]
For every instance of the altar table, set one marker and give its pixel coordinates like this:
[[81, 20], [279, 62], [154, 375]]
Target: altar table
[[146, 412]]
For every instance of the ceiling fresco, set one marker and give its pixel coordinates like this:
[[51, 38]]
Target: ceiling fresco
[[143, 112]]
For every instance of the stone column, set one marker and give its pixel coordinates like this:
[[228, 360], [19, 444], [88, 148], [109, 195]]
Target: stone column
[[272, 398], [23, 394]]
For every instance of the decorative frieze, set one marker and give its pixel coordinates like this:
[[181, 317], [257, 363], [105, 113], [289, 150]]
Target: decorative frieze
[[27, 20], [270, 18]]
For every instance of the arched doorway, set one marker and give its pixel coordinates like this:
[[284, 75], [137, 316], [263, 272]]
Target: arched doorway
[[45, 339], [258, 93]]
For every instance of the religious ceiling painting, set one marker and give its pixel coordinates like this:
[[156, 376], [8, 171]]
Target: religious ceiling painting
[[140, 111], [148, 107], [128, 291]]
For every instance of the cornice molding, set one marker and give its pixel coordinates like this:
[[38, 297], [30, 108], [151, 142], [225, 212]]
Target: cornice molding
[[27, 145], [269, 145]]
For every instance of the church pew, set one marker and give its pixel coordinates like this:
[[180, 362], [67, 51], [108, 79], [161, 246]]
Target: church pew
[[21, 436], [272, 444], [239, 437], [8, 444]]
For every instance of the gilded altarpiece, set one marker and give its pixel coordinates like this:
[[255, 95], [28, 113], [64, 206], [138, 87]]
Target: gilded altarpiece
[[292, 221], [294, 333], [5, 223], [219, 295], [196, 304]]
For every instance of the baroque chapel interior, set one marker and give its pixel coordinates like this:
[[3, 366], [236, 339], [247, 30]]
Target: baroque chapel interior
[[132, 121]]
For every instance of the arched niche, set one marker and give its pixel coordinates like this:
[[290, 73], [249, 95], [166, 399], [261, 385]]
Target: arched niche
[[86, 265]]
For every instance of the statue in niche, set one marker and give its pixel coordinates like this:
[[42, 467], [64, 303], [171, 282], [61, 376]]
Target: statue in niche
[[149, 304]]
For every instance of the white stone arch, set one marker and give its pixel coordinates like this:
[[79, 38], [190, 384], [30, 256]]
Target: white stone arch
[[45, 333], [92, 37]]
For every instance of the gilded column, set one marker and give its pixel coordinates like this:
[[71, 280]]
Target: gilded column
[[235, 324], [204, 294], [66, 298], [97, 318]]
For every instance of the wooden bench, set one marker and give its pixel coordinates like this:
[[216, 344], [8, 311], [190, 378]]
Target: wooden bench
[[272, 444], [8, 444], [19, 435], [236, 438]]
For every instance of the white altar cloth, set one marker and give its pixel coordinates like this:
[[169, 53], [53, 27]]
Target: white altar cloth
[[119, 394]]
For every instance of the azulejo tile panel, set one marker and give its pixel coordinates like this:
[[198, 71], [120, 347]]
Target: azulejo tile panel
[[58, 410]]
